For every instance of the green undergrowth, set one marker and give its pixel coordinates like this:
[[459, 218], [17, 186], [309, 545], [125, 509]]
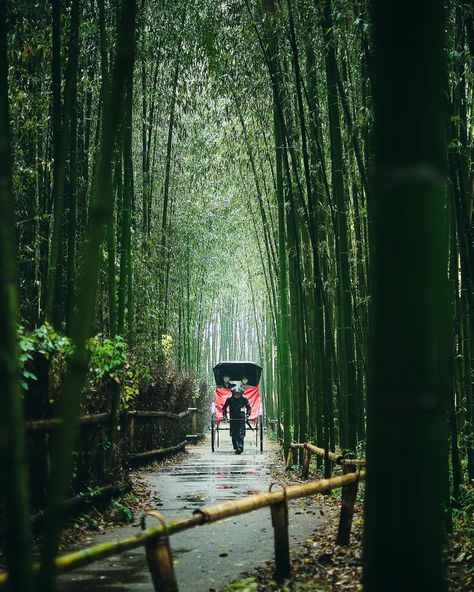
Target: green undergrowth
[[144, 382], [251, 584], [463, 515]]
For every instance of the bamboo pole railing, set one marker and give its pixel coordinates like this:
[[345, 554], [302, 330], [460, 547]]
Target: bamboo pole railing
[[166, 414], [310, 449], [54, 423], [155, 539], [137, 428], [157, 453], [47, 425]]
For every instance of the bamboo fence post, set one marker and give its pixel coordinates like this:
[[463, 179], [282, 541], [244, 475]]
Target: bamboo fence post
[[306, 462], [193, 420], [159, 558], [279, 511], [349, 495], [289, 460], [131, 433]]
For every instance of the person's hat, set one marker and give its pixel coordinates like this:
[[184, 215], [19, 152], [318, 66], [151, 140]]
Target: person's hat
[[237, 389]]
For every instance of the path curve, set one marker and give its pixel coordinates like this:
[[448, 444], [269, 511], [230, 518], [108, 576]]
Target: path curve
[[206, 557]]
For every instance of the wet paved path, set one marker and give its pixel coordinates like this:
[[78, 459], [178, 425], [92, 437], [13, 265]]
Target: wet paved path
[[206, 557]]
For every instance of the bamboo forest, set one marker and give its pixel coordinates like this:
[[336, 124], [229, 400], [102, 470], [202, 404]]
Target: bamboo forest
[[255, 207]]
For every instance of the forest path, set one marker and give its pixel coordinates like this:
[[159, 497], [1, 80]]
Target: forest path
[[206, 557]]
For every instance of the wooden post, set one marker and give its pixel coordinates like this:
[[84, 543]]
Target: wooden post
[[349, 495], [289, 460], [279, 513], [159, 558], [306, 462], [131, 433]]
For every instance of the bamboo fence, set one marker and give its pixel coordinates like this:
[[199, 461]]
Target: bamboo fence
[[145, 435], [310, 449], [156, 538]]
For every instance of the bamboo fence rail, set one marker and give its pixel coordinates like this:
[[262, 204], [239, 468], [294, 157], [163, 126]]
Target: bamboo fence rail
[[47, 425], [310, 449], [156, 542], [160, 452], [145, 435], [54, 423]]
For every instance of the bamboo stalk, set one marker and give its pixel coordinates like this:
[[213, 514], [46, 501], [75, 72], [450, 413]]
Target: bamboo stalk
[[13, 465], [410, 337]]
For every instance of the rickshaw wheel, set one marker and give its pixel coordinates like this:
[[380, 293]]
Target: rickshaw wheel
[[213, 433], [260, 421]]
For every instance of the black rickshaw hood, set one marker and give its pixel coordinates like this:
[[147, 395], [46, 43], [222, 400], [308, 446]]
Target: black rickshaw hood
[[235, 369]]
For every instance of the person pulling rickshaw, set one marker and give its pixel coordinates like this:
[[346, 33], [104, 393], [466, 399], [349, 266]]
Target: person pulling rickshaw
[[239, 410]]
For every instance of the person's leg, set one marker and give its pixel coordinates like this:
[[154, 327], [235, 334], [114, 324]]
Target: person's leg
[[233, 434], [240, 437]]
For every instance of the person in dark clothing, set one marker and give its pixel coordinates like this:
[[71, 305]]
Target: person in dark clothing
[[240, 409], [226, 382]]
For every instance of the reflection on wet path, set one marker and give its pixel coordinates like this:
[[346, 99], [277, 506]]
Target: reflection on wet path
[[205, 557]]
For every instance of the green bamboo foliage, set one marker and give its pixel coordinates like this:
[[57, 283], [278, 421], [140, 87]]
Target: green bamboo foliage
[[410, 342], [13, 473], [239, 177]]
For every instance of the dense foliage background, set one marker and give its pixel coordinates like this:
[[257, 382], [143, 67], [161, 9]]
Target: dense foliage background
[[193, 181]]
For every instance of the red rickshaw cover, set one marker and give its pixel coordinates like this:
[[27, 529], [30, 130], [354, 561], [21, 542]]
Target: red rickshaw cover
[[251, 392]]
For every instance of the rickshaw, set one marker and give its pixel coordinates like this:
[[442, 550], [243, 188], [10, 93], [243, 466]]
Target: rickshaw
[[235, 370]]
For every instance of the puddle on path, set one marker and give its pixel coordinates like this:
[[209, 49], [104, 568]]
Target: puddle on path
[[204, 557]]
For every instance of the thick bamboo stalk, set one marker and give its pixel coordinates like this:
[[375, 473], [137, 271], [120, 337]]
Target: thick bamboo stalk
[[13, 465], [411, 342]]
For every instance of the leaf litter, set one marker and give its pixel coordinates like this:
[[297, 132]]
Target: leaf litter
[[319, 565]]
